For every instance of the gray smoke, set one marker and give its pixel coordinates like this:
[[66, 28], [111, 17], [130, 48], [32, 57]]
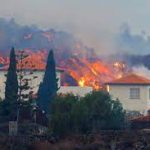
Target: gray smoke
[[128, 42], [129, 46], [34, 38]]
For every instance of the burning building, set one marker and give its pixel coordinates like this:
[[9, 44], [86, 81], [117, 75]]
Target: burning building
[[79, 75], [35, 79], [82, 67]]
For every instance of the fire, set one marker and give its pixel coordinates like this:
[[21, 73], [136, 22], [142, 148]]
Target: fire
[[119, 68], [35, 61], [95, 72], [78, 70], [81, 82], [89, 72]]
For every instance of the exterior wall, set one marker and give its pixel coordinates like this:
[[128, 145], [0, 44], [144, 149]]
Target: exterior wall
[[148, 97], [33, 83], [76, 90], [122, 92]]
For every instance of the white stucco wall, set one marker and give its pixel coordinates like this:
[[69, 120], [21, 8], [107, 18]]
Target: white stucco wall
[[33, 83], [122, 92], [76, 90]]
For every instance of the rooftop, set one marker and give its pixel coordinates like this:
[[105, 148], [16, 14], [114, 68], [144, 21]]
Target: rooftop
[[141, 119], [129, 79]]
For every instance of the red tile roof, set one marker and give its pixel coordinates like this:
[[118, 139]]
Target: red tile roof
[[141, 119], [131, 79], [60, 69]]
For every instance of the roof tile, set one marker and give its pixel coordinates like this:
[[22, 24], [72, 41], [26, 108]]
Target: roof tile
[[131, 79]]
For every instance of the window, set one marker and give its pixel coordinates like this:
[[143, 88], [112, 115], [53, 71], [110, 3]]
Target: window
[[134, 93]]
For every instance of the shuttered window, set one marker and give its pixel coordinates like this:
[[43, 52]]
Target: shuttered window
[[134, 93]]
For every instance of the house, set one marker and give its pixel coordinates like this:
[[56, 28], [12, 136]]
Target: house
[[132, 90], [35, 79]]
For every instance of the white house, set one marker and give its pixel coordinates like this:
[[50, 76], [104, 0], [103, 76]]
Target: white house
[[132, 90], [35, 79]]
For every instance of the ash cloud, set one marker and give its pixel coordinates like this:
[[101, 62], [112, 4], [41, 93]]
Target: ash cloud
[[133, 48], [141, 70], [130, 46], [34, 38], [127, 42], [13, 34]]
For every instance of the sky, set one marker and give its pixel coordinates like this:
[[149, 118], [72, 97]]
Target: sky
[[95, 22]]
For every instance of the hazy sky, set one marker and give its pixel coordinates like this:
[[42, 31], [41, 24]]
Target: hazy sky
[[95, 21]]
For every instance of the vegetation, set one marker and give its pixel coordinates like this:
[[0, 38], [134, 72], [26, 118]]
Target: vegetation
[[17, 88], [92, 113], [68, 114], [49, 86], [9, 105], [24, 89], [11, 90]]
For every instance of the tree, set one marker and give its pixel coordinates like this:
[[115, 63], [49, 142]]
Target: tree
[[102, 112], [48, 87], [24, 76], [92, 113], [19, 90], [9, 105], [11, 89], [61, 114]]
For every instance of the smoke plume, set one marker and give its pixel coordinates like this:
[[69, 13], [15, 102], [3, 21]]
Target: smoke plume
[[128, 42], [34, 38]]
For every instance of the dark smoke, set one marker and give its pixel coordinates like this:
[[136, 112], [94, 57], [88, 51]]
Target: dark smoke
[[34, 38], [65, 45]]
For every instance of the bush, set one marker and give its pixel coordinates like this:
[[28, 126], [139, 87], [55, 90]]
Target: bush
[[61, 113], [92, 113]]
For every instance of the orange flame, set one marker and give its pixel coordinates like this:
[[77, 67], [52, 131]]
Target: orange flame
[[89, 73], [81, 82], [85, 72]]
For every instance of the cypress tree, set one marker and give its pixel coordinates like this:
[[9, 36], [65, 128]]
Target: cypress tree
[[11, 89], [49, 87]]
